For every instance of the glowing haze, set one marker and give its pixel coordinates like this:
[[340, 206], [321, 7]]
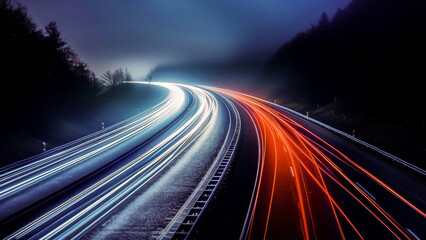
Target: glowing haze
[[138, 35]]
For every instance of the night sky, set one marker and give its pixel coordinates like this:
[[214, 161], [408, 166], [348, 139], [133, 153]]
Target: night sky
[[138, 34]]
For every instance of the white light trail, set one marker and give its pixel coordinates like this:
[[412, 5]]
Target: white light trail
[[103, 196], [10, 183]]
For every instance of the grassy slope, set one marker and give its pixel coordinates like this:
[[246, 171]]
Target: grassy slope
[[367, 57], [110, 106], [405, 140]]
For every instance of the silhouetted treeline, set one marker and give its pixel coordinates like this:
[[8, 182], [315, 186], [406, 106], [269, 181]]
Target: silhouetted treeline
[[115, 78], [371, 54], [39, 70]]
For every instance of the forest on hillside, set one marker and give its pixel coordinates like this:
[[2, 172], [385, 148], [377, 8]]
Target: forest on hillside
[[40, 70], [370, 55]]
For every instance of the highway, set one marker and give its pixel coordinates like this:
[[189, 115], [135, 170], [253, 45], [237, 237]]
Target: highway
[[158, 175], [68, 191], [313, 184]]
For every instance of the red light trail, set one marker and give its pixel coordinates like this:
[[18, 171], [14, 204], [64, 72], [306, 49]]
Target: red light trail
[[296, 171], [291, 178]]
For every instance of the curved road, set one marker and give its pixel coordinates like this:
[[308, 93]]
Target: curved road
[[68, 191], [313, 184], [156, 174]]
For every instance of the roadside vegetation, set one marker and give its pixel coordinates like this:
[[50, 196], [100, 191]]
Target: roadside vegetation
[[49, 94], [361, 69], [115, 78]]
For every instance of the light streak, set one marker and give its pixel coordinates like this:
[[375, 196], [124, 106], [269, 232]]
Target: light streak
[[310, 157], [365, 190], [290, 156], [17, 180], [102, 197]]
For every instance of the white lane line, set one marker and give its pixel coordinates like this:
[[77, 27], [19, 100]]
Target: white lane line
[[414, 235], [365, 190], [292, 172]]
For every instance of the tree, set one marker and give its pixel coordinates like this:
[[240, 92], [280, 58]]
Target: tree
[[13, 16], [53, 36], [127, 76], [324, 20], [116, 78], [107, 78], [339, 15]]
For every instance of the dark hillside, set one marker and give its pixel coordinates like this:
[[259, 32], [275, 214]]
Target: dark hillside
[[362, 70], [370, 54], [41, 78], [39, 70], [109, 106]]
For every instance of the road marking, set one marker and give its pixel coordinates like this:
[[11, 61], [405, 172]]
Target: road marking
[[365, 190], [414, 235], [292, 172]]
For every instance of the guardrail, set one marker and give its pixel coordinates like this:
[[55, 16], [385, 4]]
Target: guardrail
[[353, 139], [189, 215], [76, 142]]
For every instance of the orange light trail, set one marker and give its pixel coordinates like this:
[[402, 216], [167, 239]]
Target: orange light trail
[[294, 162]]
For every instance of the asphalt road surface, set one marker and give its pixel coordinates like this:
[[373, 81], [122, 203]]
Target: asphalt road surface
[[208, 163], [151, 162], [315, 184]]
